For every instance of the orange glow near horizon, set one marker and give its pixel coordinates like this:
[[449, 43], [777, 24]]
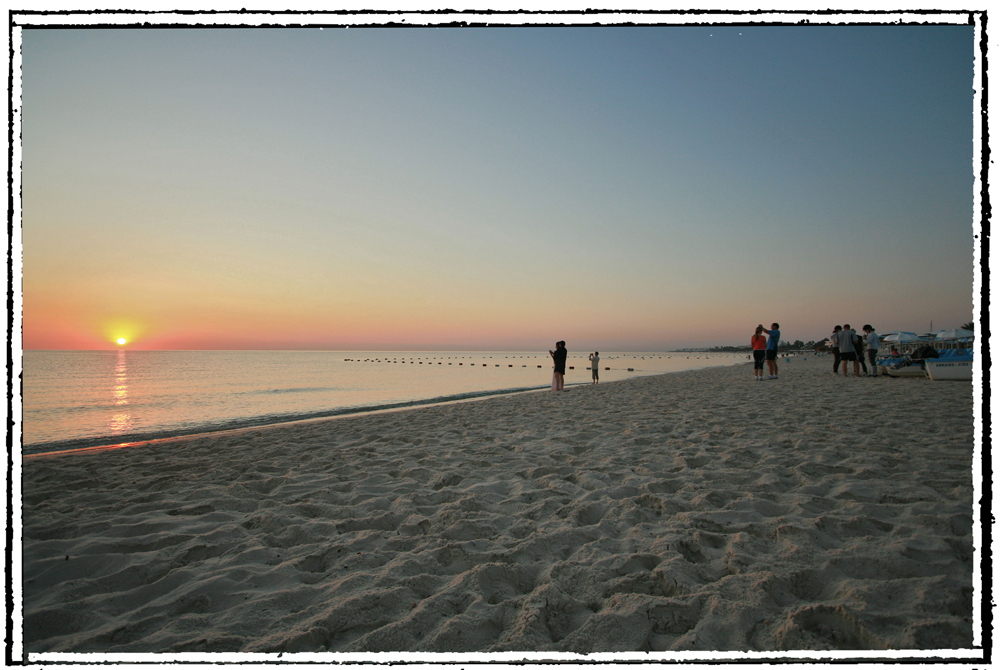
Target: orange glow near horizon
[[402, 322]]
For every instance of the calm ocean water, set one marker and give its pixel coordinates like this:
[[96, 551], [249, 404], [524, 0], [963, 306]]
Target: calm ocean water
[[75, 399]]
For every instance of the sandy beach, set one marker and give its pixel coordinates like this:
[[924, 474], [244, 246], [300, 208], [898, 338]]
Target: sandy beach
[[689, 511]]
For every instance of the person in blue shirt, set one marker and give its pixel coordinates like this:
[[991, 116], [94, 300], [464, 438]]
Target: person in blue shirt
[[771, 353]]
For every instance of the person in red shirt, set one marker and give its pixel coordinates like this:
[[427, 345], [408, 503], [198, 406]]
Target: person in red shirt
[[759, 343]]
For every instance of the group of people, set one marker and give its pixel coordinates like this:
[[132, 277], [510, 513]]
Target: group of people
[[849, 347], [765, 349], [559, 365], [846, 344]]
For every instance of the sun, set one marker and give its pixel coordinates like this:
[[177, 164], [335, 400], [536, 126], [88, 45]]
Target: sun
[[121, 332]]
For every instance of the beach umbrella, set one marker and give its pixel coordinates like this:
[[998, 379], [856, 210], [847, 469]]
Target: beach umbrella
[[902, 337], [955, 334]]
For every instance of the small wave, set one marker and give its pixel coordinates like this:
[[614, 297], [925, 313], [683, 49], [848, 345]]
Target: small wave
[[303, 389]]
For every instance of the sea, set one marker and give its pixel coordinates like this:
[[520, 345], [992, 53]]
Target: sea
[[81, 399]]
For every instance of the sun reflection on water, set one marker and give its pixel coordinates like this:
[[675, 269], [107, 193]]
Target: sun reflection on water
[[122, 420]]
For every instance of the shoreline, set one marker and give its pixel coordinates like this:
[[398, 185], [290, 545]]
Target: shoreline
[[102, 442], [683, 512], [148, 437]]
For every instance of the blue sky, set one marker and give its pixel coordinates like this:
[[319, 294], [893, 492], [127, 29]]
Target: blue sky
[[616, 187]]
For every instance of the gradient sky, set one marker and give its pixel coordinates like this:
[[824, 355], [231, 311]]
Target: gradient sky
[[638, 188]]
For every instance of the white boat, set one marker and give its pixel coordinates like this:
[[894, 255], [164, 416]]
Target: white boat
[[951, 358], [939, 370]]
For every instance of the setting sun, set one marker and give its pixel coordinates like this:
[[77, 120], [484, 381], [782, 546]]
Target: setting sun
[[121, 340]]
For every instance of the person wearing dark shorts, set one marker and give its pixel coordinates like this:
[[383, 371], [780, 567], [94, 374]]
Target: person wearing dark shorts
[[759, 344], [847, 353], [773, 337]]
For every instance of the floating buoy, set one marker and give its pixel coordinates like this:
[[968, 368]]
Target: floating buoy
[[631, 370], [572, 368]]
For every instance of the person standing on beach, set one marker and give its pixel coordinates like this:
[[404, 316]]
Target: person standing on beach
[[871, 337], [559, 369], [859, 349], [771, 352], [835, 346], [759, 344], [847, 352], [595, 360]]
